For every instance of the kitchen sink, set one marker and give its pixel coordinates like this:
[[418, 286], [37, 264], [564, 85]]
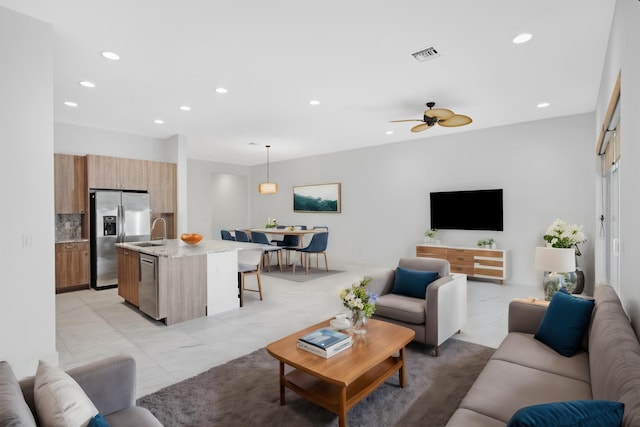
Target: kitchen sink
[[147, 244]]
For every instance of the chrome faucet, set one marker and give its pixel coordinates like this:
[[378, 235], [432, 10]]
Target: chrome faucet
[[164, 228]]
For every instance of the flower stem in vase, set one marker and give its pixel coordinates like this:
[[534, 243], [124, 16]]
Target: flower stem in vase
[[358, 322]]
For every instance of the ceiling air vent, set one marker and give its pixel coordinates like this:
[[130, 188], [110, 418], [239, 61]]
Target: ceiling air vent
[[426, 54]]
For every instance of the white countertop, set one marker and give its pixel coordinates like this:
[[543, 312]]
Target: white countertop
[[177, 248], [72, 241], [472, 248]]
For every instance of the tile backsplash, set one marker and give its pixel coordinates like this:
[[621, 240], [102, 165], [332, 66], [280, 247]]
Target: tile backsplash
[[68, 227]]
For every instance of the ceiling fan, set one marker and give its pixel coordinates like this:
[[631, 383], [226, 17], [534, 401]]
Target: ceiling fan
[[441, 116]]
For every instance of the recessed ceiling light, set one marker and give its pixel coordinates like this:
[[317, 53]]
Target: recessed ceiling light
[[70, 104], [221, 90], [253, 143], [87, 83], [314, 102], [185, 108], [111, 55], [389, 132], [158, 121], [522, 38], [543, 105]]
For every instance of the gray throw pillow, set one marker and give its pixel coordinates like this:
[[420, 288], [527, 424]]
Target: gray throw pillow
[[14, 410]]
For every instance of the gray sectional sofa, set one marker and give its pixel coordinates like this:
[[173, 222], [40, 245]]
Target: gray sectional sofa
[[523, 371], [109, 383]]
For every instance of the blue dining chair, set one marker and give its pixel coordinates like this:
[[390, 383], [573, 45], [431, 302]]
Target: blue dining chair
[[241, 236], [317, 245], [290, 242], [278, 227], [261, 238], [226, 235]]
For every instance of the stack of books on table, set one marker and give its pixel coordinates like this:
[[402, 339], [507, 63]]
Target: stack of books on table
[[325, 342]]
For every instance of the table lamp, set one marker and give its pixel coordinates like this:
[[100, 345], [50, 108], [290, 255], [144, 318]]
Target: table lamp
[[556, 261]]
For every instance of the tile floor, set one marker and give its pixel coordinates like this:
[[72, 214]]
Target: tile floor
[[96, 324]]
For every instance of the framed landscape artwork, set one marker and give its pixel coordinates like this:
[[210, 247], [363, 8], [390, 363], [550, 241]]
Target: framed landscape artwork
[[317, 198]]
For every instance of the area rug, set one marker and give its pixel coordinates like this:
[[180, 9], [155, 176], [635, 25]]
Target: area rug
[[245, 392], [299, 276]]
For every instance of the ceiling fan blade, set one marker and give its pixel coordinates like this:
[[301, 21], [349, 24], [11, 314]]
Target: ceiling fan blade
[[439, 113], [420, 127], [456, 120], [407, 120]]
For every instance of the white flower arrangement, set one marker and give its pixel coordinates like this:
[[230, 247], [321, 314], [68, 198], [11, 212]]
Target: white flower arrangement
[[561, 235], [358, 298]]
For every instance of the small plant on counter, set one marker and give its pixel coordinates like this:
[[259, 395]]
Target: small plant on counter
[[271, 223], [431, 233], [486, 243]]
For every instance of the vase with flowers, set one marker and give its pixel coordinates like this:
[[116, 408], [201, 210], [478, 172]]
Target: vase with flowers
[[361, 302], [562, 235], [430, 235]]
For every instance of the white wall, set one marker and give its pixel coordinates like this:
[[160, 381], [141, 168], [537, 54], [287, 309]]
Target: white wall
[[27, 305], [218, 197], [622, 55], [545, 168], [80, 140]]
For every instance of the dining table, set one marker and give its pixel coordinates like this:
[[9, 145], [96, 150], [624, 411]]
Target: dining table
[[286, 231]]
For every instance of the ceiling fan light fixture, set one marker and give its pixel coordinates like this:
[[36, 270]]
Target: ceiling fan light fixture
[[455, 121], [268, 187], [442, 116], [420, 127]]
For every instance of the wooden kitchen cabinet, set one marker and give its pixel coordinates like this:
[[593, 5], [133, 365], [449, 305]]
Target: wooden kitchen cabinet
[[128, 275], [104, 172], [161, 179], [72, 266], [70, 185]]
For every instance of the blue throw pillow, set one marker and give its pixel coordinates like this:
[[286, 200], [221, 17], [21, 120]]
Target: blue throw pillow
[[576, 413], [412, 283], [98, 421], [564, 323]]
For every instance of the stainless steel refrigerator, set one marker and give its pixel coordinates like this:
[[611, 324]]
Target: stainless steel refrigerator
[[116, 217]]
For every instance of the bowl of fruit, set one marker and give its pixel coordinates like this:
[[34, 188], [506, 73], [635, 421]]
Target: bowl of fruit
[[191, 238]]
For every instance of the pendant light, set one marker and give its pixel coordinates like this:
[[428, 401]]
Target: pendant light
[[268, 187]]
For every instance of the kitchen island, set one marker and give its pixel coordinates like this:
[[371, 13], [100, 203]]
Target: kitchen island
[[189, 281]]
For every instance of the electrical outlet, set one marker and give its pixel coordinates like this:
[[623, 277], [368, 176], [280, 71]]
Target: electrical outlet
[[27, 241], [67, 225]]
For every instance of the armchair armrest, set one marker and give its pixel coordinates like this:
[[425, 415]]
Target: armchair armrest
[[110, 383], [446, 308], [381, 282], [525, 316]]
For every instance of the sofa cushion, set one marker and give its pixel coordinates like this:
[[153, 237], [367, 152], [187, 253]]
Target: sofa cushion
[[466, 418], [614, 355], [402, 308], [504, 387], [133, 416], [577, 413], [522, 349], [412, 283], [565, 323], [60, 401], [14, 410]]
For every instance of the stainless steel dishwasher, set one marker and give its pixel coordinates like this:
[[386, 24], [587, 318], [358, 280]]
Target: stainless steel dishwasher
[[148, 286]]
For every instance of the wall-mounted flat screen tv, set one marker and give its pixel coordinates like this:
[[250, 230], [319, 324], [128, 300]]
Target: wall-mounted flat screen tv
[[467, 210]]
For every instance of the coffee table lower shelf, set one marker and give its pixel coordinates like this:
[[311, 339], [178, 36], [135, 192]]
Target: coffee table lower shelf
[[334, 397]]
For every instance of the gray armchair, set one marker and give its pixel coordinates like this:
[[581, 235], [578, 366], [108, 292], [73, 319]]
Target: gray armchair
[[110, 384], [441, 314]]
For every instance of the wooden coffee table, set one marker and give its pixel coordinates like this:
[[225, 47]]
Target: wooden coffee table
[[338, 383]]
